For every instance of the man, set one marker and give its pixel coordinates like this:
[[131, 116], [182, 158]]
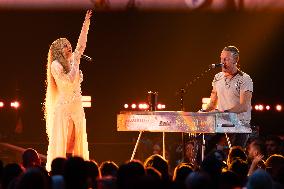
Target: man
[[273, 145], [30, 158], [256, 155], [232, 91]]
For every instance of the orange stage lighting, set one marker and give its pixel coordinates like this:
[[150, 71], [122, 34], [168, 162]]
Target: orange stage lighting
[[86, 101], [278, 107], [143, 106], [15, 104], [161, 106], [256, 107], [133, 106]]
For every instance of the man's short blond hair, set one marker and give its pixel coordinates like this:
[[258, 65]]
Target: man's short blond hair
[[234, 50]]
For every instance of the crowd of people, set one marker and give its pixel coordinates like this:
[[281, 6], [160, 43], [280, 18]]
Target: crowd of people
[[259, 165]]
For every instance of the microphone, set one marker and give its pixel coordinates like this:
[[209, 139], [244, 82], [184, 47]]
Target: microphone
[[87, 58], [216, 65]]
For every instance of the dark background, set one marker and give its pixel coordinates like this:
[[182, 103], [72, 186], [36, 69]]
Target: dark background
[[136, 52]]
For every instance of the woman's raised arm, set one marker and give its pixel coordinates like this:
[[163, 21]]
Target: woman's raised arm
[[81, 44]]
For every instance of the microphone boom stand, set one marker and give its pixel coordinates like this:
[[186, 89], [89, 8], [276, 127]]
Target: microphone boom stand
[[182, 91]]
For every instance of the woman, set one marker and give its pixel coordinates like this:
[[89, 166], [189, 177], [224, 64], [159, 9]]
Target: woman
[[64, 114]]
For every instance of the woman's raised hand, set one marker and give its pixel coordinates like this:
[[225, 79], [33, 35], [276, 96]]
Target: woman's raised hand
[[88, 15]]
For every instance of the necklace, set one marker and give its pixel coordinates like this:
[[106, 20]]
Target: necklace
[[228, 80]]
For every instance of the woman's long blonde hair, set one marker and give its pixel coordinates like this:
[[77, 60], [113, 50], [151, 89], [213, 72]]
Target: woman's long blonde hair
[[55, 53]]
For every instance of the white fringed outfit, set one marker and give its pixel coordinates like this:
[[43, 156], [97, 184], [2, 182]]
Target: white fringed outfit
[[66, 106]]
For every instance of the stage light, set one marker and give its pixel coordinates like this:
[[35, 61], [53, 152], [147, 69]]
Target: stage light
[[161, 106], [278, 107], [140, 106], [133, 106], [15, 104], [1, 104], [143, 106], [86, 104], [205, 100], [86, 98], [267, 107], [260, 107], [146, 106], [204, 106], [125, 106], [86, 101], [256, 107]]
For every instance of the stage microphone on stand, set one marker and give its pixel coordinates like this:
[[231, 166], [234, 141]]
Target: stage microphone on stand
[[89, 59], [216, 65]]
